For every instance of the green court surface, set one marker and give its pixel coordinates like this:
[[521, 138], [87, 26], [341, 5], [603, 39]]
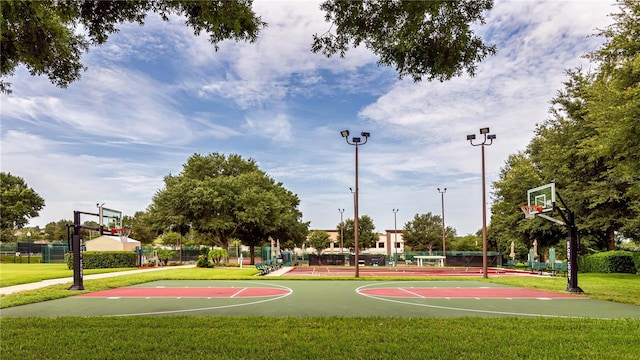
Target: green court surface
[[280, 298]]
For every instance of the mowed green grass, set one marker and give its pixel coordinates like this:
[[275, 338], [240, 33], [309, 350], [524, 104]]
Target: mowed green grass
[[16, 274], [317, 338]]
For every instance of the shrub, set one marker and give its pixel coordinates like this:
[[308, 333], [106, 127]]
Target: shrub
[[105, 259], [216, 255], [164, 255], [203, 261], [609, 262], [636, 260]]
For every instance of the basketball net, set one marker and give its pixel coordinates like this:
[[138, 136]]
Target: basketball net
[[122, 232], [530, 211]]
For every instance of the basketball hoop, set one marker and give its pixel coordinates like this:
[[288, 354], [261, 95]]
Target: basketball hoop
[[122, 232], [530, 211]]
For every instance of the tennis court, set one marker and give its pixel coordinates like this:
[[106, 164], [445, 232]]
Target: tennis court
[[297, 298], [399, 271]]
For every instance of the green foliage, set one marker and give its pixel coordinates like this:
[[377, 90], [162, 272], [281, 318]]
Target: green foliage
[[49, 37], [164, 255], [105, 259], [609, 262], [19, 202], [432, 39], [226, 198], [319, 240], [466, 243], [216, 255], [424, 232], [636, 260], [203, 261], [367, 236], [588, 147]]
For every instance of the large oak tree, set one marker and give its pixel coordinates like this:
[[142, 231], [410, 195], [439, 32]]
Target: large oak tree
[[226, 197]]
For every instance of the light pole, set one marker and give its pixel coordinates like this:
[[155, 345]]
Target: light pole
[[28, 247], [356, 141], [395, 238], [341, 234], [444, 244], [490, 137]]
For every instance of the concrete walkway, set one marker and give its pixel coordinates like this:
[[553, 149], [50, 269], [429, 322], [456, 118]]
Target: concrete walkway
[[280, 272], [38, 285]]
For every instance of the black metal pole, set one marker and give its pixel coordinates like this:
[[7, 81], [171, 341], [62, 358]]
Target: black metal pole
[[76, 247], [572, 255]]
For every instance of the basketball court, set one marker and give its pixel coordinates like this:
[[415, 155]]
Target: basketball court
[[282, 298]]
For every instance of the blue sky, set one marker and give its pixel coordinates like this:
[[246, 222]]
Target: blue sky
[[154, 95]]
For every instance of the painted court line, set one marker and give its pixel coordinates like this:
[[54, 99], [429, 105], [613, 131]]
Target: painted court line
[[411, 292], [466, 293], [238, 293], [176, 293]]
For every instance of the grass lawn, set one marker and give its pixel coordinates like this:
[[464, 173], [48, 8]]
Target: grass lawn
[[16, 274], [188, 337]]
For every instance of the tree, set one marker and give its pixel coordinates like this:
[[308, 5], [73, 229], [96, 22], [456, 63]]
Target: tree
[[367, 236], [19, 204], [613, 103], [424, 232], [319, 240], [45, 36], [588, 147], [227, 197], [432, 39], [510, 192], [467, 243], [142, 227]]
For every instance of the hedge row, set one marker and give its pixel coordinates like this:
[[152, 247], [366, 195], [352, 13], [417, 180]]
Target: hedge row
[[105, 259], [611, 262]]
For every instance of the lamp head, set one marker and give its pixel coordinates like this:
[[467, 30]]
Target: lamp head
[[365, 134], [344, 133], [355, 140], [491, 136], [471, 137], [484, 131]]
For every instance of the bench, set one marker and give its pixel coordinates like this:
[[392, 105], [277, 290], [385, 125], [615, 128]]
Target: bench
[[263, 267], [559, 267], [539, 266]]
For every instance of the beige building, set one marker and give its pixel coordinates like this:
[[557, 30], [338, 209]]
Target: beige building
[[389, 243], [111, 243]]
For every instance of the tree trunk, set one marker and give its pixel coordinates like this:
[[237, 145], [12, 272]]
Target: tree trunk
[[611, 238]]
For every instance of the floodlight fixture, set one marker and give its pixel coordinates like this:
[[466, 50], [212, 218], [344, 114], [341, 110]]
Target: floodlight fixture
[[357, 142], [490, 138]]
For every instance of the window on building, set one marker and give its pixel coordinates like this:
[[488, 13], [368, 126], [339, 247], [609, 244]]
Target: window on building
[[381, 245]]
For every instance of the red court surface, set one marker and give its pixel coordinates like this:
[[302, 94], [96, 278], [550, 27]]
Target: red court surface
[[169, 292], [400, 271], [464, 293]]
